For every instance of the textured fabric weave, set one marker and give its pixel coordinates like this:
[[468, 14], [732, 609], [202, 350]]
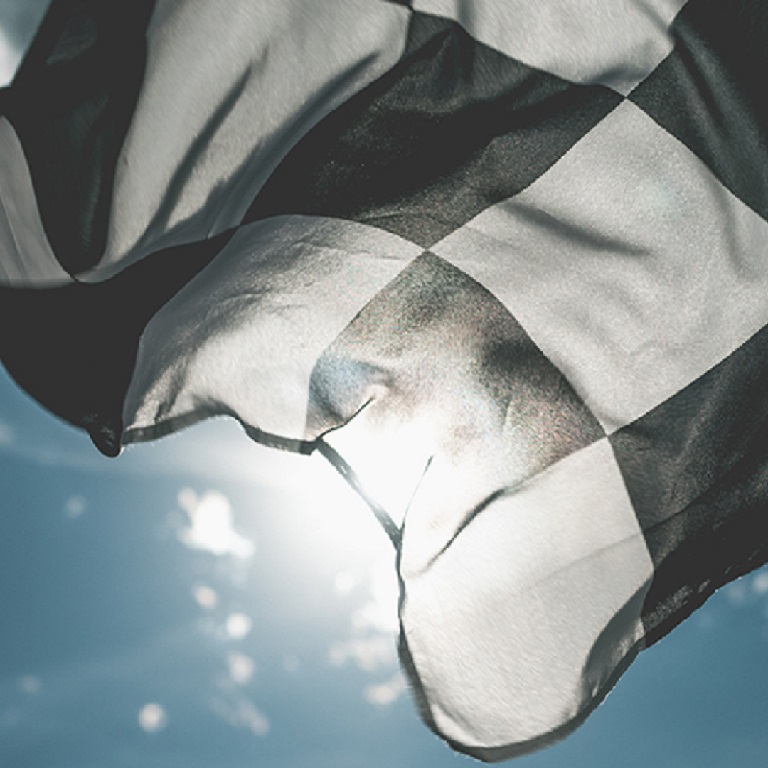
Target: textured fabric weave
[[506, 262]]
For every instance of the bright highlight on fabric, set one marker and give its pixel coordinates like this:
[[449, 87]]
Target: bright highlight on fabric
[[502, 264]]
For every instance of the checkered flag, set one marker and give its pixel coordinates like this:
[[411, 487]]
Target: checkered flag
[[503, 263]]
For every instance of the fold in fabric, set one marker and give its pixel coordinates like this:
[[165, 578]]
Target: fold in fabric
[[503, 265]]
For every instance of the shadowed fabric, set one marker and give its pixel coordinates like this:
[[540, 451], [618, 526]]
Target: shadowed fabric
[[75, 98], [503, 264]]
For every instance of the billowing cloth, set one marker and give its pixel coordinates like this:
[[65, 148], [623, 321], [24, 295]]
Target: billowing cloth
[[504, 263]]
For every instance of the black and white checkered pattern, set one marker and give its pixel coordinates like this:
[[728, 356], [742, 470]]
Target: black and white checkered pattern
[[506, 258]]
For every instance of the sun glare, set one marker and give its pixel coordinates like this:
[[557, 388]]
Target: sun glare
[[389, 467]]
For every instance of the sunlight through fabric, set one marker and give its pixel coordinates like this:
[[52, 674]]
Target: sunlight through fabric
[[338, 526], [390, 467]]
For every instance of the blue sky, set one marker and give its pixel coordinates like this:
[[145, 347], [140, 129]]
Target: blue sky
[[203, 601]]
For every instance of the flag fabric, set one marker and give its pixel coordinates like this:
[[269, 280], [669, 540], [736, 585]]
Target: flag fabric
[[505, 263]]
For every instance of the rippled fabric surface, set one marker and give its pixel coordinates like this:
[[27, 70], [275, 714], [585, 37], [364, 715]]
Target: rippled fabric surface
[[504, 264]]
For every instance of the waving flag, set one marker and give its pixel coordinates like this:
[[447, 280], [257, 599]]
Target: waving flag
[[504, 263]]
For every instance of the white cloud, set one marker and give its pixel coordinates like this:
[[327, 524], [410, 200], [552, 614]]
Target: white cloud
[[7, 435], [375, 615], [241, 668], [74, 507], [386, 693], [368, 653], [736, 592], [379, 612], [30, 684], [371, 645], [253, 719], [238, 625], [241, 712], [210, 525], [153, 718], [705, 619], [760, 582], [205, 596]]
